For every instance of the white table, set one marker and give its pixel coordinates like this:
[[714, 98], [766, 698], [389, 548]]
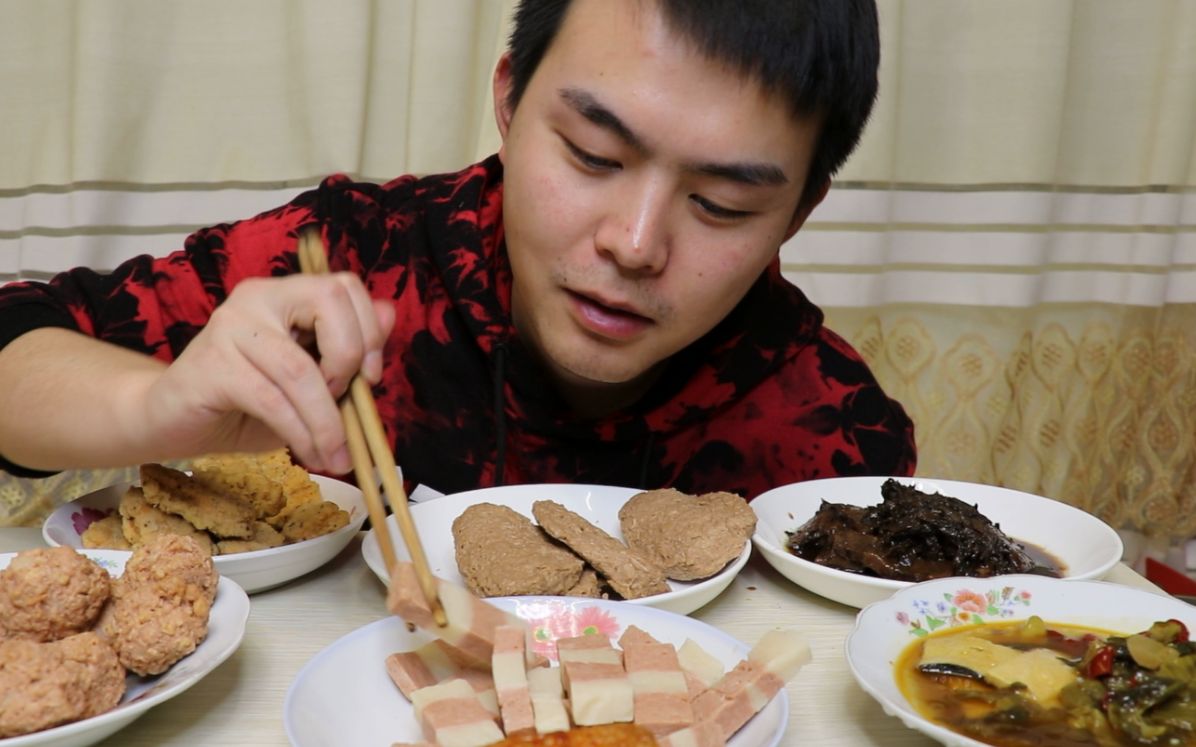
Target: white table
[[240, 703]]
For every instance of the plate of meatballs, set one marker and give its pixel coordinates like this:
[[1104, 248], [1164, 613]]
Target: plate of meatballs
[[91, 639], [657, 548]]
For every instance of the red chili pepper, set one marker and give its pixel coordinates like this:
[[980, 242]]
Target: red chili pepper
[[1182, 635], [1101, 664]]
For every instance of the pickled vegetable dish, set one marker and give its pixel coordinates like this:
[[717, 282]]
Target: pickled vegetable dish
[[1052, 685]]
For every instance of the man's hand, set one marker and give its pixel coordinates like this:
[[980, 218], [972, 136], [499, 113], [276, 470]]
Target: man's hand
[[247, 382], [249, 379]]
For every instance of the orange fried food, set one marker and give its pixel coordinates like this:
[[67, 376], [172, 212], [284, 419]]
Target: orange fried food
[[607, 735], [160, 606], [204, 507], [51, 593], [313, 519], [254, 478], [106, 533], [47, 684], [264, 537], [299, 490], [141, 522]]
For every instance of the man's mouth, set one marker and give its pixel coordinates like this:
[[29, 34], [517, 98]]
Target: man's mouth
[[613, 320]]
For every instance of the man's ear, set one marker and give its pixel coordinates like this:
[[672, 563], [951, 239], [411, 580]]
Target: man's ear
[[803, 212], [502, 100]]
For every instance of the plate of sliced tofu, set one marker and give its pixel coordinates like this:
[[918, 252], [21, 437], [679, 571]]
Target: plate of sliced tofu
[[657, 548], [528, 665]]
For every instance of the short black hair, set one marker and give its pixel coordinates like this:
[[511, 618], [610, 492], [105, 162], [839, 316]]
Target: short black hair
[[821, 55]]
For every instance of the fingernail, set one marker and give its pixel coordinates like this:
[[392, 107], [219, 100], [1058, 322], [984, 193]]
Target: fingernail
[[371, 366]]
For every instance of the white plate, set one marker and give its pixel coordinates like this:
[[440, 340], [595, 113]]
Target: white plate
[[884, 629], [344, 696], [226, 627], [1088, 547], [253, 571], [596, 503]]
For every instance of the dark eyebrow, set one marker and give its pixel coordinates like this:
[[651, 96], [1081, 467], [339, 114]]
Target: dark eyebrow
[[587, 106], [754, 174], [750, 173]]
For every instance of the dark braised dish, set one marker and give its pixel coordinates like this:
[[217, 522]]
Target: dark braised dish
[[912, 536]]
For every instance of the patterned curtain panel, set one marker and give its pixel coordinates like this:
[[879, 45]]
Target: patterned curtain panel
[[1014, 248]]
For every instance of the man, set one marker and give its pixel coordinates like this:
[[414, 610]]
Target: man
[[600, 302]]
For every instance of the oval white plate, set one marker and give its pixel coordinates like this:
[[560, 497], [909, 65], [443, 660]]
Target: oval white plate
[[1086, 545], [884, 629], [254, 571], [596, 503], [226, 628], [343, 695]]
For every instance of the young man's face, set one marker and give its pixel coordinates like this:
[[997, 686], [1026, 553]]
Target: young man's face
[[646, 189]]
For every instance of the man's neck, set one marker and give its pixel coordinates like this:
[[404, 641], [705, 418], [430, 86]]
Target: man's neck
[[593, 400]]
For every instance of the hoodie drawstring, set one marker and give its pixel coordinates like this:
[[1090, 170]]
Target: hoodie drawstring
[[500, 414]]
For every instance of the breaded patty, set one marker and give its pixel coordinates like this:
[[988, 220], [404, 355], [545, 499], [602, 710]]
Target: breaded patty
[[628, 573], [160, 606], [46, 684], [690, 537], [204, 507], [141, 522], [253, 478], [500, 552], [50, 593], [313, 519], [264, 537], [105, 534], [606, 735]]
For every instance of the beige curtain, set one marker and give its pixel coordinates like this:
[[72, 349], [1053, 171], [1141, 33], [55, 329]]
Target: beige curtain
[[1013, 247]]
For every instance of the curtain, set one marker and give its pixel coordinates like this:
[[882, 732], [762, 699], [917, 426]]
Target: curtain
[[1012, 248]]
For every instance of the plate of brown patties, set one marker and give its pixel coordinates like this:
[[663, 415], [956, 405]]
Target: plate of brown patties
[[659, 548]]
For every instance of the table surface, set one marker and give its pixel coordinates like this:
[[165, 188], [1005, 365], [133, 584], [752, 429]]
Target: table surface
[[240, 703]]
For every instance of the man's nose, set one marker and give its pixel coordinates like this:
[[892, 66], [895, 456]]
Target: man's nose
[[635, 231]]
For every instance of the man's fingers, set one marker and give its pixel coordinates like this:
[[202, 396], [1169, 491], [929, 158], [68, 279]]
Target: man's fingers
[[296, 403]]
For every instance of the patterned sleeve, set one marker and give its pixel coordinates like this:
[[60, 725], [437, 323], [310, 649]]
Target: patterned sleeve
[[156, 305]]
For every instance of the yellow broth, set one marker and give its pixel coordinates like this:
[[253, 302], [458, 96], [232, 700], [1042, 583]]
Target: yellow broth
[[961, 704]]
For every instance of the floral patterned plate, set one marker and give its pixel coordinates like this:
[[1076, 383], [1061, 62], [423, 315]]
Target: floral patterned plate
[[885, 628], [226, 627], [344, 696]]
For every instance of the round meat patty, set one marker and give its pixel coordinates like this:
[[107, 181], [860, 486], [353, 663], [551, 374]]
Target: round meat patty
[[51, 593], [47, 684], [500, 552], [690, 537]]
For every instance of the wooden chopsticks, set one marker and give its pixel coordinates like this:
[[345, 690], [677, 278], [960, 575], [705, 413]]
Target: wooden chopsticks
[[366, 438]]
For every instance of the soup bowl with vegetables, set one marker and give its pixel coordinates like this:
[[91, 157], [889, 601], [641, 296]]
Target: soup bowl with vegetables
[[1025, 660]]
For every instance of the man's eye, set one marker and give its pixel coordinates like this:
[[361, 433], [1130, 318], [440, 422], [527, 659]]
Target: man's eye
[[718, 211], [591, 161]]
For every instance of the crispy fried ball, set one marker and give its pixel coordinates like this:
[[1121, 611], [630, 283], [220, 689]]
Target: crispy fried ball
[[46, 684], [160, 606], [50, 593]]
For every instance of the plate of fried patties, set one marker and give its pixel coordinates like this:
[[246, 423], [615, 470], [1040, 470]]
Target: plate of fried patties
[[263, 518], [659, 548], [91, 639]]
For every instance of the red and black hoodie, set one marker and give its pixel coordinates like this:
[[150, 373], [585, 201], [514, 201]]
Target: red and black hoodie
[[768, 397]]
